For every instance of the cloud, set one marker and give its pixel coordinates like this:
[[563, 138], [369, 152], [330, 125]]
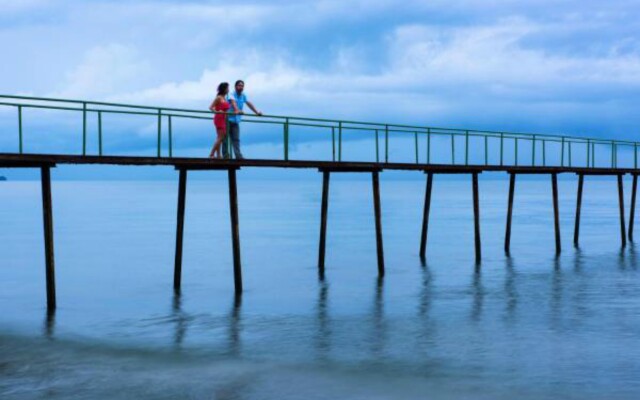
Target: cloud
[[103, 71]]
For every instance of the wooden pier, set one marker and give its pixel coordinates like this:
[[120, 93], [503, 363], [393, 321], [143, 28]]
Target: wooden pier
[[45, 162], [460, 151]]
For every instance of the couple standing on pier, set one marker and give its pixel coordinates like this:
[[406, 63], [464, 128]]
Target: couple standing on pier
[[229, 108]]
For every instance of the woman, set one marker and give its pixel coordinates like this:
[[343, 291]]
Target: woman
[[220, 106]]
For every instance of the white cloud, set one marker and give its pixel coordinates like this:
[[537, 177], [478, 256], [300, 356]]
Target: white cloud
[[435, 66], [104, 71]]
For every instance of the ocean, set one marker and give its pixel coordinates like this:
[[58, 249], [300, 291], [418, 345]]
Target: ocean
[[528, 326]]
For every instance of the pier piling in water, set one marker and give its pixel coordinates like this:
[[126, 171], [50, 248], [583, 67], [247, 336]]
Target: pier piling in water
[[632, 213], [623, 236], [182, 191], [507, 235], [556, 211], [476, 217], [425, 216], [323, 222], [576, 229], [377, 212], [47, 213], [235, 230]]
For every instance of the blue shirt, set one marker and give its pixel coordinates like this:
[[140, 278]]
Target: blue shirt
[[240, 99]]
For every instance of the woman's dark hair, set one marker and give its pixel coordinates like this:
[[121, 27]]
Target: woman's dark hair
[[222, 88]]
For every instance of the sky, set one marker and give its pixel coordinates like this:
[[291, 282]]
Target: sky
[[549, 66]]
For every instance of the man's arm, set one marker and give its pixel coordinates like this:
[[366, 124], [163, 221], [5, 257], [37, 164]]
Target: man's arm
[[236, 110], [250, 105]]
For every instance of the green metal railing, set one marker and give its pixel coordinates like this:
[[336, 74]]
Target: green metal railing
[[434, 139]]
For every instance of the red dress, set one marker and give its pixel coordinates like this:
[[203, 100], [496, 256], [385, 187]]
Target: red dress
[[219, 120]]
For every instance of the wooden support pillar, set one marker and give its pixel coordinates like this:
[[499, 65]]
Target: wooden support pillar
[[476, 217], [182, 191], [235, 230], [507, 235], [623, 236], [323, 222], [425, 216], [556, 211], [377, 212], [576, 230], [633, 206], [47, 213]]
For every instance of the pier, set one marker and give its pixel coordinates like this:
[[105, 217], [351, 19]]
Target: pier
[[471, 152]]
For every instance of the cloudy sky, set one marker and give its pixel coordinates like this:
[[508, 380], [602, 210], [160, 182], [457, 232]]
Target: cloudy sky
[[554, 66]]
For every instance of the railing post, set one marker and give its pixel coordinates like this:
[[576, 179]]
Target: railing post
[[533, 151], [612, 155], [339, 140], [386, 143], [170, 138], [416, 140], [428, 145], [333, 143], [635, 155], [562, 153], [453, 150], [501, 148], [286, 139], [466, 148], [159, 129], [99, 133], [516, 150], [377, 148], [588, 153], [20, 129], [486, 150], [544, 153], [84, 128]]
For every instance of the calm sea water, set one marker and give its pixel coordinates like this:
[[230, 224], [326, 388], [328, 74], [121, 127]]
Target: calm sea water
[[530, 326]]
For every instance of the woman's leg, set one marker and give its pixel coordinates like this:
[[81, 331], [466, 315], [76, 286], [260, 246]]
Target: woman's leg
[[216, 147]]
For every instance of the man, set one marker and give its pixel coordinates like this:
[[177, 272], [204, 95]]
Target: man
[[237, 99]]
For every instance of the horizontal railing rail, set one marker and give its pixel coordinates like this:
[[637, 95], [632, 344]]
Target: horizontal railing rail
[[536, 146]]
